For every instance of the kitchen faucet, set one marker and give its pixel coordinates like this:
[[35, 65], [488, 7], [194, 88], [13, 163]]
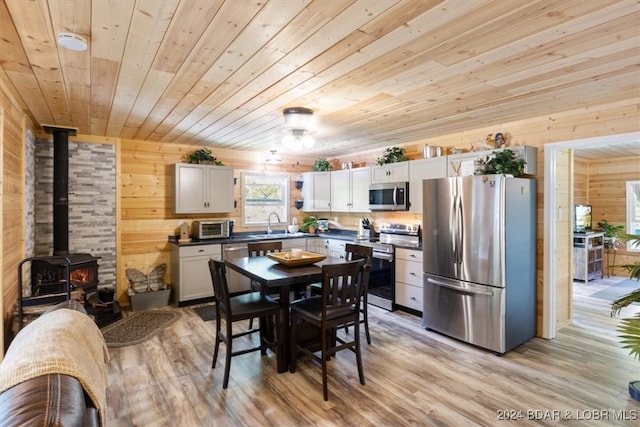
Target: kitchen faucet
[[269, 221]]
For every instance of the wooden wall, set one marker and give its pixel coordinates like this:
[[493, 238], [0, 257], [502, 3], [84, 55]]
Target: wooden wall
[[12, 131], [563, 244], [607, 196], [580, 182], [144, 198], [145, 195]]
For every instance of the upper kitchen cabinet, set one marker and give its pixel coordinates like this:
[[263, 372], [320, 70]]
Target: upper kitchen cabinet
[[464, 164], [390, 172], [316, 191], [203, 189], [350, 190], [435, 167]]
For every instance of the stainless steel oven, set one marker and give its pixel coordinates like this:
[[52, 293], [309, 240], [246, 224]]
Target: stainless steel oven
[[382, 278]]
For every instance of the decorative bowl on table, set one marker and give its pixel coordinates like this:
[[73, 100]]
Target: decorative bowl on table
[[288, 259]]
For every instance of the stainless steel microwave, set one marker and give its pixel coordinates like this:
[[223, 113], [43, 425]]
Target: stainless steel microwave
[[389, 196], [214, 229]]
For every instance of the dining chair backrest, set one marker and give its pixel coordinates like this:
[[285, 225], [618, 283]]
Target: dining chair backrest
[[340, 288], [354, 252], [220, 286], [262, 248]]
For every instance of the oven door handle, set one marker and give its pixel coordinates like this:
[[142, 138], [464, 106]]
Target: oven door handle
[[383, 256]]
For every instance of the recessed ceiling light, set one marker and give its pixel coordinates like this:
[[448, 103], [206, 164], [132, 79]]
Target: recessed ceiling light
[[72, 41]]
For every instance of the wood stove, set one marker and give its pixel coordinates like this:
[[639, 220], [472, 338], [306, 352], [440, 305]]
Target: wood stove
[[48, 276]]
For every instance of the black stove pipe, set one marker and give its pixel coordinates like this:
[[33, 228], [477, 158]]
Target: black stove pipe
[[60, 187]]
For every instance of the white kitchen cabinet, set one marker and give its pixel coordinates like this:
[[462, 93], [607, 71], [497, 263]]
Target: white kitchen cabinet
[[288, 244], [190, 271], [390, 172], [318, 245], [316, 191], [464, 164], [202, 189], [419, 170], [336, 248], [350, 190], [409, 279]]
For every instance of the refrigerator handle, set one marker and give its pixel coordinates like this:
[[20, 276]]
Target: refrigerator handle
[[458, 288], [460, 233], [453, 227]]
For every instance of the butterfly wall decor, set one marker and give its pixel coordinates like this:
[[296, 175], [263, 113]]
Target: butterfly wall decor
[[140, 282]]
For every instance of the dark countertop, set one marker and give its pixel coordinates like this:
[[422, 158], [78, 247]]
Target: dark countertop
[[246, 237]]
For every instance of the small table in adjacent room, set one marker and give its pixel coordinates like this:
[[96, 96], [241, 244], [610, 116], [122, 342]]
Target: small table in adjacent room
[[274, 277], [588, 256]]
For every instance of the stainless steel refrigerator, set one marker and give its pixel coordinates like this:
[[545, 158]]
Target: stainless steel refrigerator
[[479, 259]]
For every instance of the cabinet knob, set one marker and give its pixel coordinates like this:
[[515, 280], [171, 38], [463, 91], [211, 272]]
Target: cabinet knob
[[413, 298], [412, 273]]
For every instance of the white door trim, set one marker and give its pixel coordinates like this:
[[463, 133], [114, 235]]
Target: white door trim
[[550, 210]]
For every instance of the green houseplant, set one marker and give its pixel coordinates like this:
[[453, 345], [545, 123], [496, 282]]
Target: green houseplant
[[504, 162], [309, 224], [392, 155], [611, 233], [321, 165], [203, 156], [629, 328]]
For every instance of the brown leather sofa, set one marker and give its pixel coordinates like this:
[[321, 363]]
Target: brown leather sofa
[[52, 399]]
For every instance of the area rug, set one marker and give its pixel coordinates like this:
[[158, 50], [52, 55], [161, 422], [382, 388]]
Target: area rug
[[206, 312], [138, 327], [614, 292]]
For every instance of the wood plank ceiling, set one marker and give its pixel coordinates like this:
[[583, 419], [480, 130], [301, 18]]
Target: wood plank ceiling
[[376, 73]]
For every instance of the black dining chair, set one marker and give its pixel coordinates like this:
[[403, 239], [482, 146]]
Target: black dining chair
[[353, 252], [237, 308], [261, 249], [338, 305]]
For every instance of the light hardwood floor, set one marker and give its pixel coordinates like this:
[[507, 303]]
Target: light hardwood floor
[[413, 377]]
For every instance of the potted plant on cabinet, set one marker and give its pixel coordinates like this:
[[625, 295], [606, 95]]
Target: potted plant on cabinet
[[629, 328], [203, 156], [321, 165], [504, 162], [392, 155]]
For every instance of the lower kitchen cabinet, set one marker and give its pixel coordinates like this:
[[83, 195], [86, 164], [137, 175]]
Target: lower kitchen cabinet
[[190, 272], [409, 279], [318, 245], [288, 244]]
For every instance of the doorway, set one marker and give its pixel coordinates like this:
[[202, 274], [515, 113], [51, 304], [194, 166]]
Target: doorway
[[554, 213]]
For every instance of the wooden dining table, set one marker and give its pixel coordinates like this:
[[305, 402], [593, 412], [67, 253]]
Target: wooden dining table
[[278, 278]]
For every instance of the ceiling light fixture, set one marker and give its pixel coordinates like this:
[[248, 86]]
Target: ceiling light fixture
[[273, 157], [298, 123], [72, 41]]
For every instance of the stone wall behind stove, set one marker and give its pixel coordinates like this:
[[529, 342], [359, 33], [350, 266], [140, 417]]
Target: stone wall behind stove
[[92, 203]]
